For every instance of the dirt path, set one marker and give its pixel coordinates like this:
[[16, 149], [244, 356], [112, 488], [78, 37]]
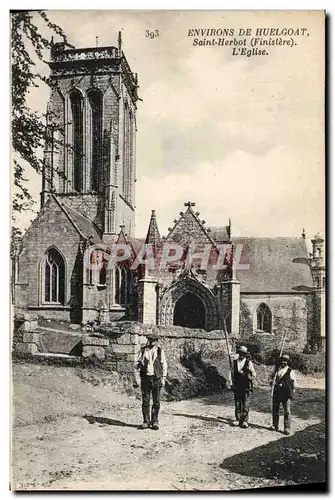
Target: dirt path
[[99, 446]]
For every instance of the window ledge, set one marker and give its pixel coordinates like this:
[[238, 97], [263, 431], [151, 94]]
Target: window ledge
[[100, 286], [51, 306]]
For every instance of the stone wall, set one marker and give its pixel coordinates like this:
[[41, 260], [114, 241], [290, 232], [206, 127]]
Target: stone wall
[[87, 204], [191, 354], [126, 338], [26, 339]]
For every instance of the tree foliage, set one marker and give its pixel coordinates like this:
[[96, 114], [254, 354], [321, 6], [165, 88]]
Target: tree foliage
[[28, 127]]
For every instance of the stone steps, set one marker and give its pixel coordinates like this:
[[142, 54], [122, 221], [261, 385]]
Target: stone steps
[[54, 355], [58, 341], [56, 330]]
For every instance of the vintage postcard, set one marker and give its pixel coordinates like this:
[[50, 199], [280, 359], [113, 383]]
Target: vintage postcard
[[168, 250]]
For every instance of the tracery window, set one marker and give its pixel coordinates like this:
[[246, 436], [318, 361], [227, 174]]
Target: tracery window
[[95, 101], [128, 153], [264, 318], [54, 277], [77, 139]]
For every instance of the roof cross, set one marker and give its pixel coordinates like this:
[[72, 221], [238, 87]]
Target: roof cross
[[189, 204]]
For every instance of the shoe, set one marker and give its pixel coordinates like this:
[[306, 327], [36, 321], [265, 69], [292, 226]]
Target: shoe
[[145, 425], [155, 427], [244, 425], [236, 423], [287, 432], [273, 428]]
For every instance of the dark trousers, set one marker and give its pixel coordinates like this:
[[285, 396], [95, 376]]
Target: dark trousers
[[242, 401], [277, 400], [151, 386]]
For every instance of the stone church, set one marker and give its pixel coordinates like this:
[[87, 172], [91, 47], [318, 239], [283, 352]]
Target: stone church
[[267, 285]]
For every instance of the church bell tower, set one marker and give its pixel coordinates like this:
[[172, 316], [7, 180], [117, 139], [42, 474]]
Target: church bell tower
[[91, 126]]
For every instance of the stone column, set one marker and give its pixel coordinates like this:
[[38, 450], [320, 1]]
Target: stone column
[[235, 307], [147, 301], [319, 331], [231, 306]]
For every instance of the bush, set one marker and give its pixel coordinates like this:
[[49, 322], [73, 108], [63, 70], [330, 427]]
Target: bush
[[308, 363], [197, 372], [303, 362], [245, 320]]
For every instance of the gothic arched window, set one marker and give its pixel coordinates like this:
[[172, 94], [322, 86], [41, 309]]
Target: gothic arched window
[[95, 100], [54, 277], [123, 286], [98, 268], [117, 285], [77, 138], [128, 153], [264, 318]]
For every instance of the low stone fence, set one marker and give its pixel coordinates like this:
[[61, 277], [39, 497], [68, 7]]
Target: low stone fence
[[126, 339], [26, 336], [118, 344]]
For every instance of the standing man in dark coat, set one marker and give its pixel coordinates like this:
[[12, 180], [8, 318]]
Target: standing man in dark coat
[[242, 385], [283, 383], [151, 363]]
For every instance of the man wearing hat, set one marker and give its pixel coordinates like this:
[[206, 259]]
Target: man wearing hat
[[151, 363], [242, 384], [283, 384]]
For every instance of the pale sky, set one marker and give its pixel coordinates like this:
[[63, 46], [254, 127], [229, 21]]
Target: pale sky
[[242, 137]]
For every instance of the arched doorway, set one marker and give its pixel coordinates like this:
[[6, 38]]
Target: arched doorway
[[196, 298], [189, 311]]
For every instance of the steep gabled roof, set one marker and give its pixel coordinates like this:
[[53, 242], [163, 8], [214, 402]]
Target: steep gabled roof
[[135, 245], [85, 227], [277, 265]]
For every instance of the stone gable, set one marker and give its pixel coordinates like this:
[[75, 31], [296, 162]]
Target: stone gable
[[189, 230]]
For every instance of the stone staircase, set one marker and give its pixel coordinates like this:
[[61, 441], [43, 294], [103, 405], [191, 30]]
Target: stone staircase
[[56, 341]]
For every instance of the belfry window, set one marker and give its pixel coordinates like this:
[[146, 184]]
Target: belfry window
[[77, 139], [128, 154], [264, 318], [54, 277], [95, 100]]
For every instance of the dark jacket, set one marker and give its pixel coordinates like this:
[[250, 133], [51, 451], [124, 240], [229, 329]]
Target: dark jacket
[[284, 386], [242, 381], [158, 367]]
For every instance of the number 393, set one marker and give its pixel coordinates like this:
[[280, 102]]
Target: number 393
[[151, 34]]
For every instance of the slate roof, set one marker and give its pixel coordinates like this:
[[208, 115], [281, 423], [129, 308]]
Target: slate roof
[[85, 226], [277, 265], [135, 243], [220, 234]]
